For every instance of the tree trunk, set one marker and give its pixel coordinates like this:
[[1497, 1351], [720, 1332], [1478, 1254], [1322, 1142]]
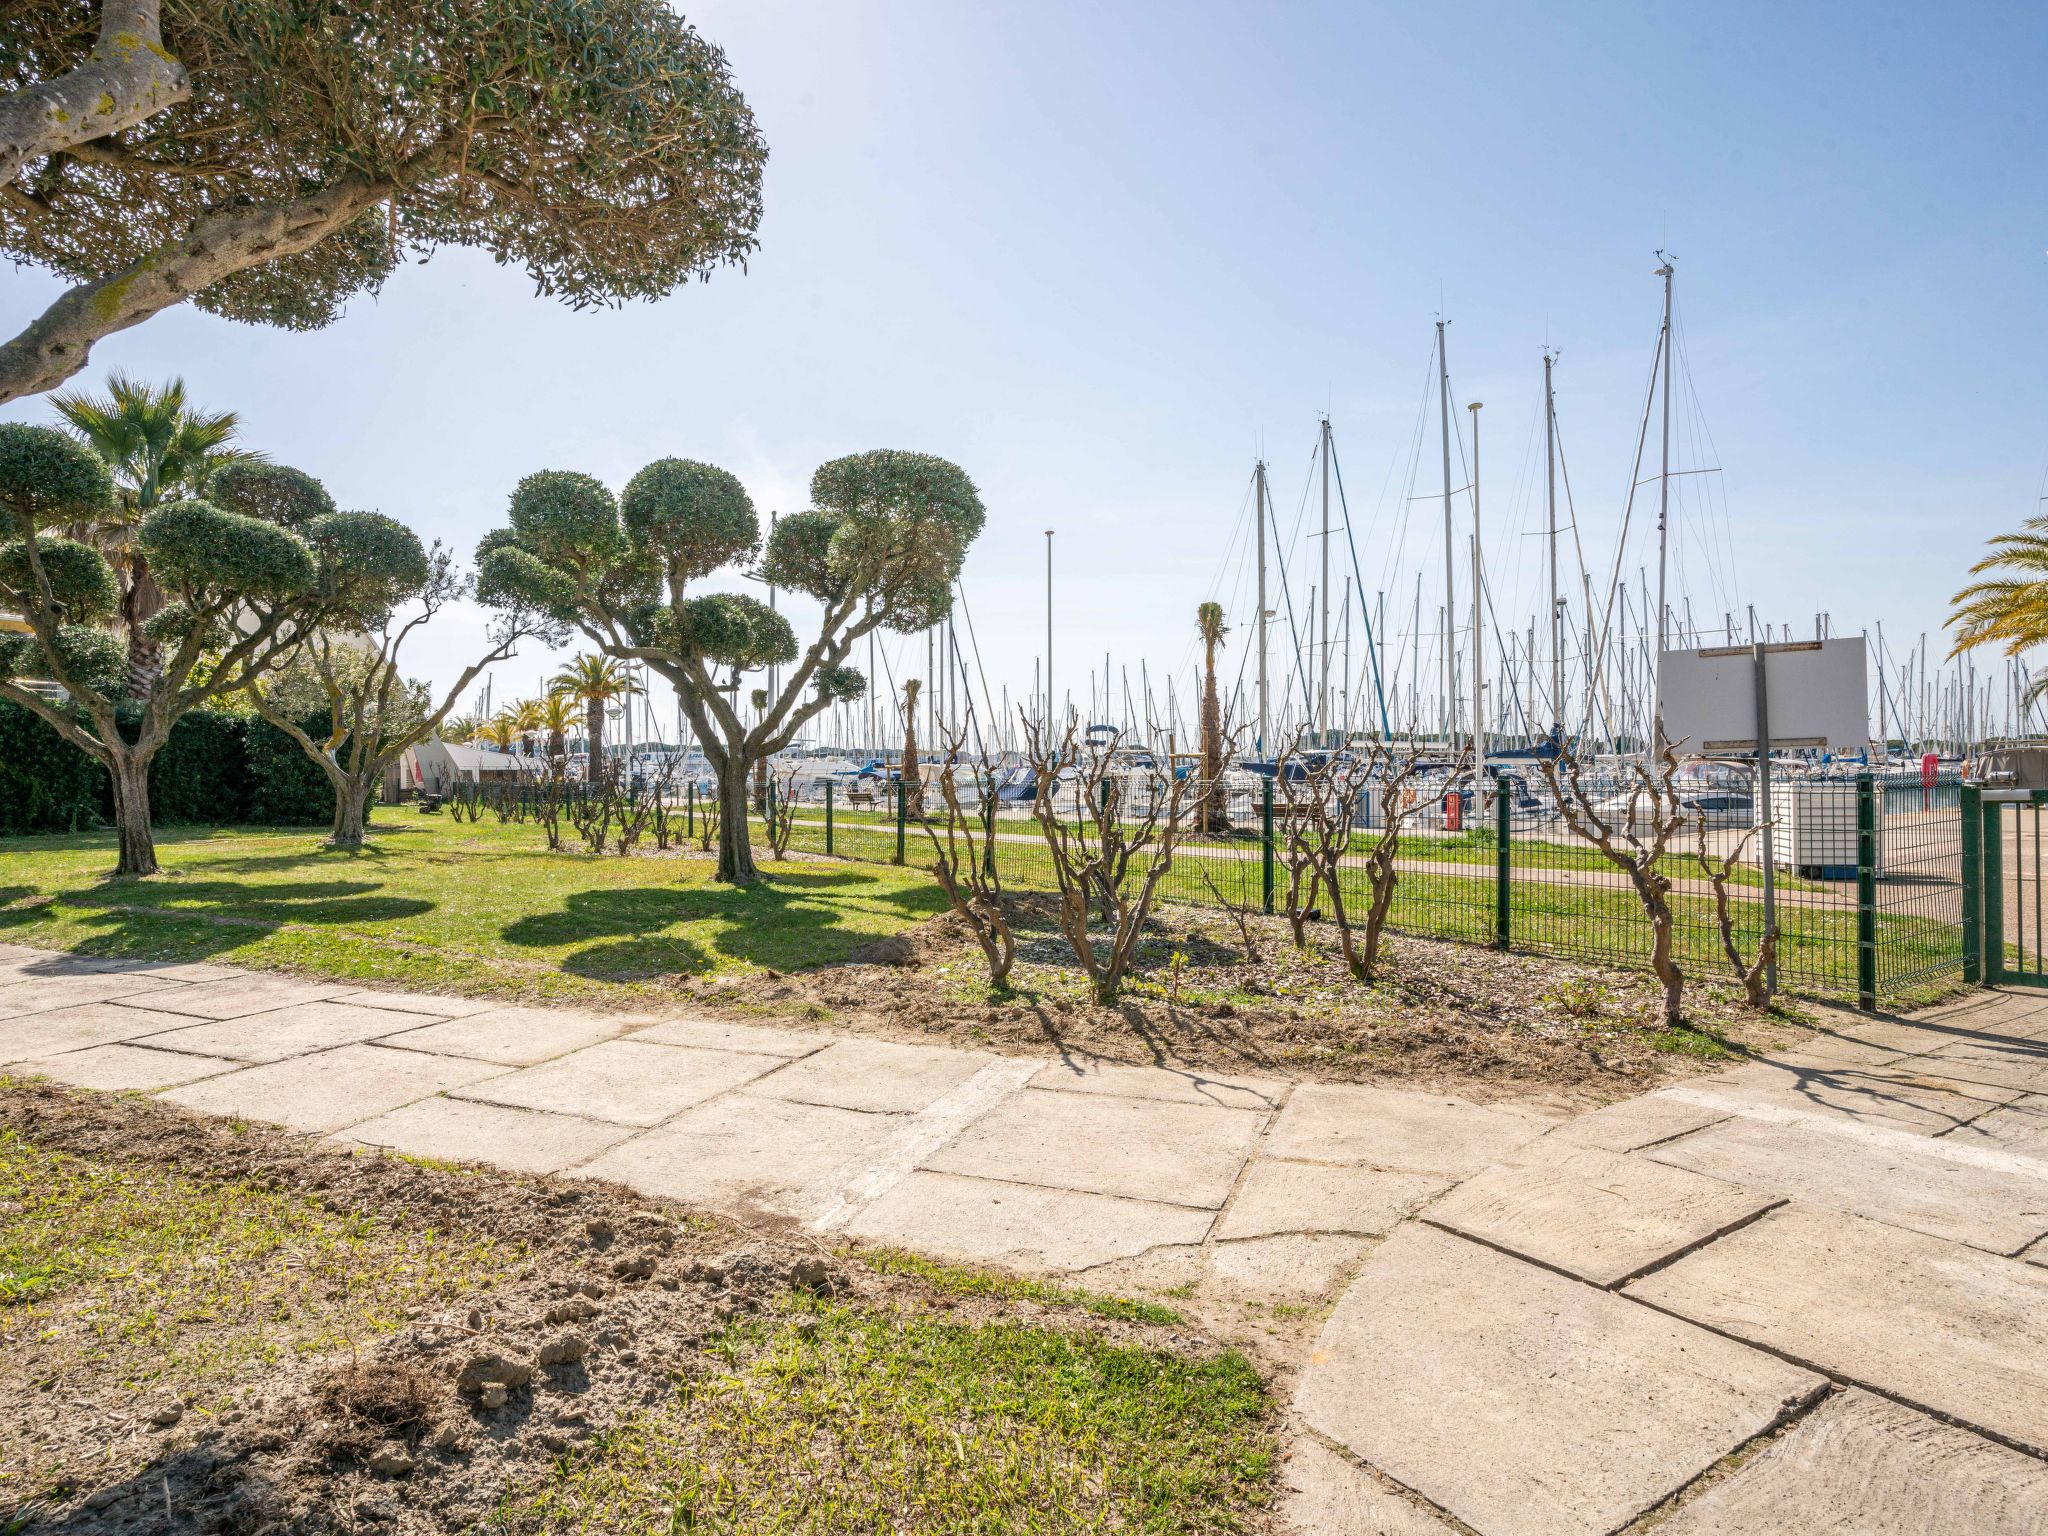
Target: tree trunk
[[130, 777], [735, 852], [142, 601], [351, 815], [1215, 808], [1666, 967], [593, 730]]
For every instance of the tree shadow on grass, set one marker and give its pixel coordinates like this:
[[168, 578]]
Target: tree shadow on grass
[[203, 917], [766, 924]]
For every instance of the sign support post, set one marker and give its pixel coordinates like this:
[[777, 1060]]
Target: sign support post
[[1763, 811]]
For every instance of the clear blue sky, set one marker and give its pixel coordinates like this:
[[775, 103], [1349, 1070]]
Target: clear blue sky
[[1102, 255]]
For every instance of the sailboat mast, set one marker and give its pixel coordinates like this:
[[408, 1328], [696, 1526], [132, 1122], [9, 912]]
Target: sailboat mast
[[1450, 657], [1663, 520], [1556, 606], [1259, 476], [1323, 685], [1478, 628]]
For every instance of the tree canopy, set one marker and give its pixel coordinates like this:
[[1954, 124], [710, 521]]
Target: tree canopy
[[270, 159]]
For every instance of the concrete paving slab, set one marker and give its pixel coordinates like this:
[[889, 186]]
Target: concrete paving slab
[[1327, 1495], [1523, 1402], [1019, 1225], [624, 1082], [194, 971], [330, 1089], [879, 1076], [1278, 1197], [1602, 1216], [44, 993], [1900, 1096], [2020, 1127], [1399, 1129], [241, 995], [18, 962], [1185, 1154], [750, 1157], [72, 1029], [1860, 1464], [434, 1005], [2021, 1064], [283, 1032], [1085, 1074], [720, 1035], [1294, 1267], [1921, 1182], [514, 1037], [1636, 1123], [124, 1068], [460, 1131], [1952, 1329]]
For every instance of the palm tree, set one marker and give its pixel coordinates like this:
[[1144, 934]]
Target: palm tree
[[1215, 815], [913, 781], [594, 681], [159, 449], [499, 731], [557, 716], [460, 728], [2010, 608], [529, 719]]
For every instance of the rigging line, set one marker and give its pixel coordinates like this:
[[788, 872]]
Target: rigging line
[[1628, 507], [974, 644], [1358, 582]]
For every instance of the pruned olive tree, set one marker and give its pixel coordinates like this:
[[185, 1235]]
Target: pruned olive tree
[[270, 160], [243, 593], [351, 664], [879, 549]]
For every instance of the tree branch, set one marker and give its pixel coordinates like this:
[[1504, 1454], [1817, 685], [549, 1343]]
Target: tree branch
[[127, 79]]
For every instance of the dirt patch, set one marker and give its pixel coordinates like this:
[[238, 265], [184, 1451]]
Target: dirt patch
[[1442, 1014], [591, 1313]]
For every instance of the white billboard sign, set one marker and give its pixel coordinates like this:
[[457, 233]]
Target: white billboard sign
[[1817, 691]]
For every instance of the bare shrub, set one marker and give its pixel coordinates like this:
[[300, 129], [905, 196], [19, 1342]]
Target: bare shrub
[[963, 861], [780, 811], [1752, 974]]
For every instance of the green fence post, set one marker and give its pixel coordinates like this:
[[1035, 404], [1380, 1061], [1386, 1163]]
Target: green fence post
[[693, 807], [1973, 886], [1866, 893], [1503, 820], [1266, 842], [828, 818], [902, 815], [988, 827], [1992, 891]]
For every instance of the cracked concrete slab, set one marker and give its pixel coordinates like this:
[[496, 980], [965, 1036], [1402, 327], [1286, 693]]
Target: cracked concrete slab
[[749, 1156], [72, 1029], [1921, 1182], [291, 1031], [20, 963], [1523, 1402], [1602, 1216], [124, 1068], [2021, 1064], [1955, 1330], [1858, 1463], [514, 1037], [47, 993], [1914, 1100], [434, 1005], [879, 1076], [240, 995], [1020, 1225], [1278, 1197], [462, 1131], [625, 1082], [1142, 1148], [1635, 1123], [719, 1035], [1087, 1074], [1293, 1266], [1399, 1129], [2020, 1127], [1328, 1496], [330, 1089]]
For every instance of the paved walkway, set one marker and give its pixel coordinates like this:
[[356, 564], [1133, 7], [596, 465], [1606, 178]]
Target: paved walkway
[[1807, 1294]]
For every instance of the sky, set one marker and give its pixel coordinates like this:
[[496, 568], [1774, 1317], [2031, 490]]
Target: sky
[[1105, 256]]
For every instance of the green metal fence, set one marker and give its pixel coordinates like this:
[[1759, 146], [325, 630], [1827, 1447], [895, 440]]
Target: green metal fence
[[2006, 919], [1880, 880]]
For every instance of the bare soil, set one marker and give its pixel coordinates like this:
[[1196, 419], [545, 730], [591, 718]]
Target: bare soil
[[608, 1303], [1455, 1016]]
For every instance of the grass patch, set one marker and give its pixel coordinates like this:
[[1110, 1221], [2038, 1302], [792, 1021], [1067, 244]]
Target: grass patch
[[841, 1420], [1688, 1040], [953, 1280], [144, 1272]]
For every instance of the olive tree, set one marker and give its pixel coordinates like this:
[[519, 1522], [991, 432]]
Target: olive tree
[[348, 670], [269, 161], [243, 591], [879, 549]]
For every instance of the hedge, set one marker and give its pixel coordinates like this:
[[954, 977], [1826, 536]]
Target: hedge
[[217, 768]]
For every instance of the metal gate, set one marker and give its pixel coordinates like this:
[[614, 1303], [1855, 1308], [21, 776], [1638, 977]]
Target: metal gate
[[2010, 929]]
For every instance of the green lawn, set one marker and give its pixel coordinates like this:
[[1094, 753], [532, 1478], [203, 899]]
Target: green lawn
[[436, 904]]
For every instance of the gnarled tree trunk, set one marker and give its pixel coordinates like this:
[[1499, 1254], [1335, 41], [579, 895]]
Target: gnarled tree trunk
[[735, 848], [351, 813], [129, 772]]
